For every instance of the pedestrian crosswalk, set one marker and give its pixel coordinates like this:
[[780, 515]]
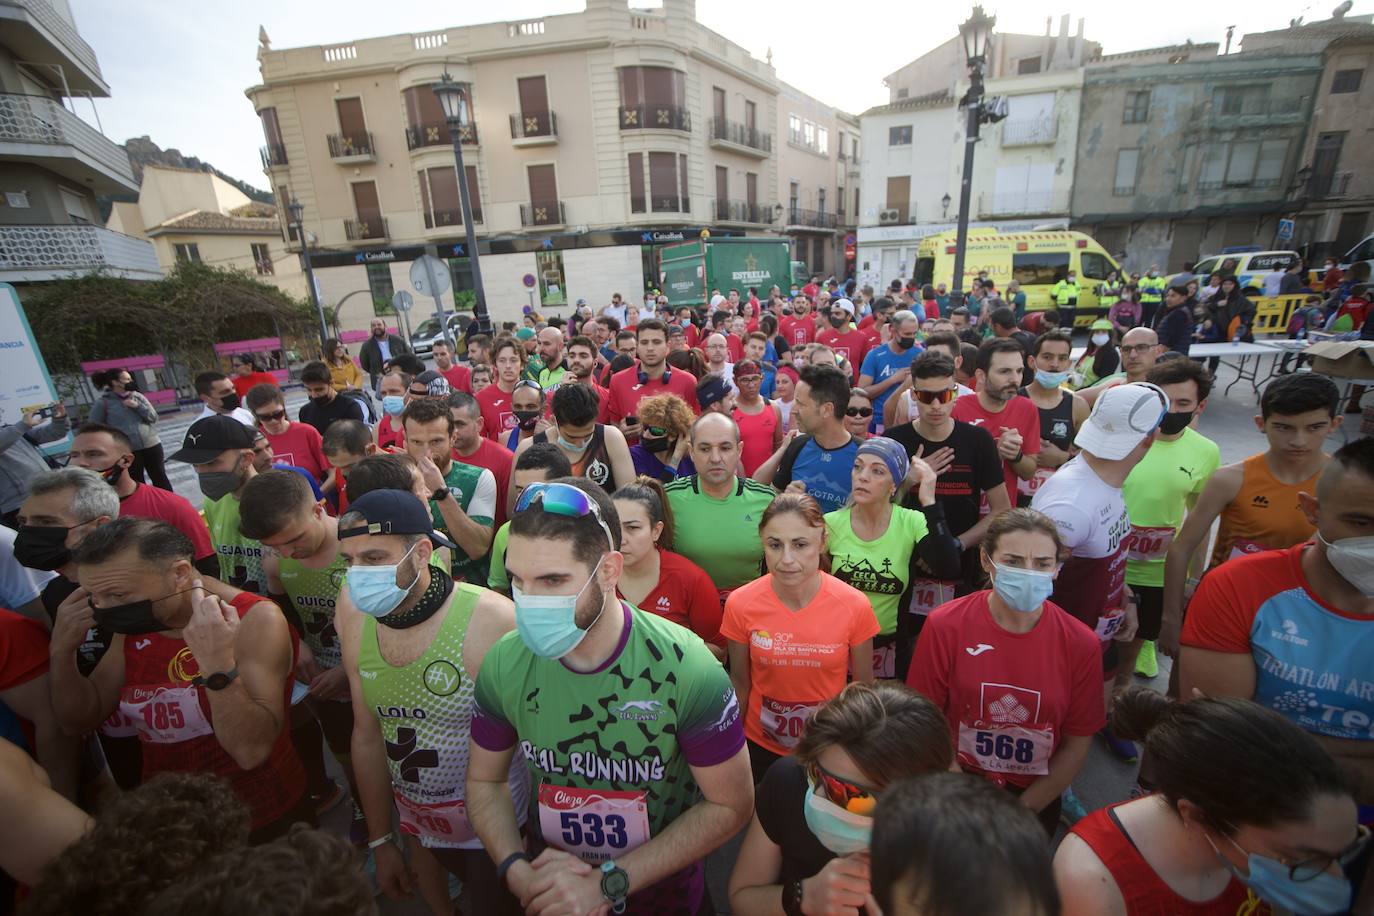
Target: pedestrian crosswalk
[[171, 428]]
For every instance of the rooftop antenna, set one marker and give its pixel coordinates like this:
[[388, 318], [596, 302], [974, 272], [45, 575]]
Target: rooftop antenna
[[1230, 30]]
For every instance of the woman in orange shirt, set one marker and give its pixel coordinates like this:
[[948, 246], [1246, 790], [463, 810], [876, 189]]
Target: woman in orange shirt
[[795, 634]]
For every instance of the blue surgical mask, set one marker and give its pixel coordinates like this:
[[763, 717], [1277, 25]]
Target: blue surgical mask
[[373, 589], [393, 404], [572, 446], [840, 831], [548, 623], [1023, 590], [1269, 879], [1051, 379]]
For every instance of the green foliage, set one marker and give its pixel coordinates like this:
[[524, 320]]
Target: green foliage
[[181, 316]]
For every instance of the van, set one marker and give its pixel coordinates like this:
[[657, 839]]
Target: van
[[1037, 260], [1250, 268]]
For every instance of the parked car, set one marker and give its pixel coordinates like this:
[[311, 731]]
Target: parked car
[[1250, 268], [424, 334]]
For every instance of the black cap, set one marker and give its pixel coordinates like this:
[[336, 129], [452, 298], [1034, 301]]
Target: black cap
[[210, 437], [393, 512]]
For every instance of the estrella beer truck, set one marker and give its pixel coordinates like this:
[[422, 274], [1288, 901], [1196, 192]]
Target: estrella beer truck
[[690, 271], [1037, 260]]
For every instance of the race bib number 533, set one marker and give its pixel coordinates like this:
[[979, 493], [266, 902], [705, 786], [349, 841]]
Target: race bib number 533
[[593, 824]]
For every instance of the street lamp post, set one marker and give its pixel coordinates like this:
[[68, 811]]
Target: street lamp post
[[454, 99], [976, 34], [297, 210]]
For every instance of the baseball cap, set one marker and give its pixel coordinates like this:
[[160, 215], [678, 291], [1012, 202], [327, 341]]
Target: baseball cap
[[1100, 324], [210, 437], [712, 388], [581, 302], [843, 304], [436, 384], [524, 334], [1121, 418], [717, 299], [393, 512]]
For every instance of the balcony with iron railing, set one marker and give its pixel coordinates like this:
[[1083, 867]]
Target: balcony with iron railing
[[1248, 111], [1023, 203], [347, 149], [35, 127], [450, 216], [421, 135], [533, 128], [1333, 184], [741, 211], [546, 213], [739, 138], [1038, 131], [361, 230], [655, 117], [811, 219], [47, 252], [273, 156], [34, 26]]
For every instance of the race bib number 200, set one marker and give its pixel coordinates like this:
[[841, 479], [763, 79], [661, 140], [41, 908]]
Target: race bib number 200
[[783, 720], [593, 824]]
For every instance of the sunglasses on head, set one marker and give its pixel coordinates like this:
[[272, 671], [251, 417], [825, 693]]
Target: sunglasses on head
[[853, 798], [268, 417], [656, 431], [934, 397], [858, 411], [563, 499]]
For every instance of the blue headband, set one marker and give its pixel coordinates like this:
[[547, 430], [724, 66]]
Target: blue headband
[[891, 453]]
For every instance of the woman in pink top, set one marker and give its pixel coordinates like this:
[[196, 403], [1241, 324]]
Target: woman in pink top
[[760, 420]]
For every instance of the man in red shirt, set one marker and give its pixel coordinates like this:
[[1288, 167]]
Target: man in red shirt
[[582, 365], [459, 377], [471, 447], [842, 337], [652, 376], [108, 452], [498, 414], [298, 444], [811, 288], [1010, 418], [689, 330], [799, 328]]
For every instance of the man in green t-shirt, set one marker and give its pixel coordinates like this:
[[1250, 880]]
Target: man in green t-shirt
[[463, 496], [540, 463], [220, 448], [716, 514], [1159, 492], [628, 726]]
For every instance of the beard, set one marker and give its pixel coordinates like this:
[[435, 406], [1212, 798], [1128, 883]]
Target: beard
[[589, 609]]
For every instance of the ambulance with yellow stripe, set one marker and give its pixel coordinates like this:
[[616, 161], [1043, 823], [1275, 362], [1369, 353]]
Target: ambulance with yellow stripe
[[1037, 259]]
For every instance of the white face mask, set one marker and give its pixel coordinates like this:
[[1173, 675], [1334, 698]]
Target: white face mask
[[1353, 558], [1101, 340]]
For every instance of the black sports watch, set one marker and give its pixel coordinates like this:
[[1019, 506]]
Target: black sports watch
[[615, 885], [217, 681], [441, 494]]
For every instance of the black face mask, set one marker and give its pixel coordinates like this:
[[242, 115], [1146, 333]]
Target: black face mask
[[229, 402], [528, 418], [1175, 422], [132, 619], [906, 343], [112, 474], [39, 547], [655, 445]]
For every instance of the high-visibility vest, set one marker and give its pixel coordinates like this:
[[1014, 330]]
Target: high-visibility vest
[[1064, 292], [1152, 289]]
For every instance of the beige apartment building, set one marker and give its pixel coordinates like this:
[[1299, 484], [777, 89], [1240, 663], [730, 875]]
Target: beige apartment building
[[592, 140], [54, 161], [190, 215]]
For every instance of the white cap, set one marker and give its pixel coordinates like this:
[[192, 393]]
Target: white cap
[[1122, 416], [717, 299], [843, 304]]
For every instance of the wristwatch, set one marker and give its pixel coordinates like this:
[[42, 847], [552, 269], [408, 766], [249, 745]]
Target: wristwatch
[[441, 494], [615, 885], [217, 681]]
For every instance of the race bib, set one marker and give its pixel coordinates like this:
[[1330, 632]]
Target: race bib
[[1144, 544], [1240, 547], [1108, 624], [593, 824], [1028, 487], [440, 824], [1014, 750], [171, 715], [928, 594], [885, 660], [784, 721], [118, 725]]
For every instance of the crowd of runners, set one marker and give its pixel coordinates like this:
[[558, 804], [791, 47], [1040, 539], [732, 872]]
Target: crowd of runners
[[838, 585]]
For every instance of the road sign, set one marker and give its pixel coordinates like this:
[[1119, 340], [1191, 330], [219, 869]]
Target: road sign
[[402, 301], [529, 281], [1285, 230], [429, 276]]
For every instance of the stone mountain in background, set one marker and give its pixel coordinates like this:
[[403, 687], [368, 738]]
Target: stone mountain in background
[[144, 152]]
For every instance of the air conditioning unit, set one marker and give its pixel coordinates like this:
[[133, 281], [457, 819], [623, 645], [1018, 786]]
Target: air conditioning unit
[[889, 217]]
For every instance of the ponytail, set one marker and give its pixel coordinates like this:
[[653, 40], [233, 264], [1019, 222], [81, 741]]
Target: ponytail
[[649, 493]]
